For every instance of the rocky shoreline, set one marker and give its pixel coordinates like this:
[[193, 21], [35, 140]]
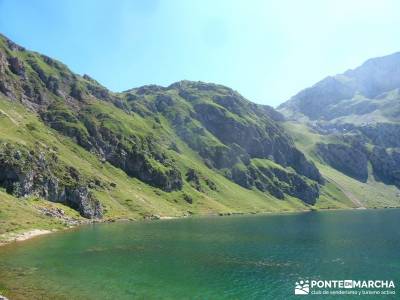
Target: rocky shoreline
[[11, 237]]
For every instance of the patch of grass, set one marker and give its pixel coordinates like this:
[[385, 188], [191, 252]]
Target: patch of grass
[[18, 215]]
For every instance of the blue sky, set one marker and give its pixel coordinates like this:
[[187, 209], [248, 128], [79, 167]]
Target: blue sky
[[266, 50]]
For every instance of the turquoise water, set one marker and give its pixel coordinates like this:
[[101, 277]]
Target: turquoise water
[[245, 257]]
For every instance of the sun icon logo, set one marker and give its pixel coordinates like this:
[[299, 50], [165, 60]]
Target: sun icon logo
[[302, 287]]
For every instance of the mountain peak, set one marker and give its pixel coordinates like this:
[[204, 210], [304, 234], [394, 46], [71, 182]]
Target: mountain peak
[[343, 95]]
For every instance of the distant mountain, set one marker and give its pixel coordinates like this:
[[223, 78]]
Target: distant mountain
[[192, 147], [355, 117], [369, 93]]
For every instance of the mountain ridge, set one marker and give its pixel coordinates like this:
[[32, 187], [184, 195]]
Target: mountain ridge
[[191, 147], [354, 92]]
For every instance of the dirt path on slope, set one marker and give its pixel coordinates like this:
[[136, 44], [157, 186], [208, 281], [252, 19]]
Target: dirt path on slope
[[2, 112], [348, 194]]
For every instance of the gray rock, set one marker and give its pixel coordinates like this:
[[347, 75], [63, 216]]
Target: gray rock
[[34, 174], [350, 160], [16, 66], [386, 165]]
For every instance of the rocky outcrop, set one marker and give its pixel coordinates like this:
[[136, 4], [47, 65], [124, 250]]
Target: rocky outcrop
[[16, 66], [199, 181], [37, 173], [296, 186], [352, 157], [347, 159], [386, 165], [136, 164], [383, 134], [276, 181], [139, 157], [255, 140], [193, 177]]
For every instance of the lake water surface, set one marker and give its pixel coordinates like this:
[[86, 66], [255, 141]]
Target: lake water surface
[[244, 257]]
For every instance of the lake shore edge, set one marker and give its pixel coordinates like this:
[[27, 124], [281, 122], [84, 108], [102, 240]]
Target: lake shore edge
[[15, 237], [12, 237]]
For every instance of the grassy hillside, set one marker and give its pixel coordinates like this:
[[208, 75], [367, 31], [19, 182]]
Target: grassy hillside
[[70, 150], [123, 197]]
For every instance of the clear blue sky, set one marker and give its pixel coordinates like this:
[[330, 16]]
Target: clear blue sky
[[267, 50]]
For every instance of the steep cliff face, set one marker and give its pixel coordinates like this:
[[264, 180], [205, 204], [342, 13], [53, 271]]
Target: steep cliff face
[[348, 159], [37, 172], [179, 139], [386, 165]]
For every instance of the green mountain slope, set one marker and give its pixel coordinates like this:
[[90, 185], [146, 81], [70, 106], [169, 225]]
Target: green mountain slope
[[190, 148]]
